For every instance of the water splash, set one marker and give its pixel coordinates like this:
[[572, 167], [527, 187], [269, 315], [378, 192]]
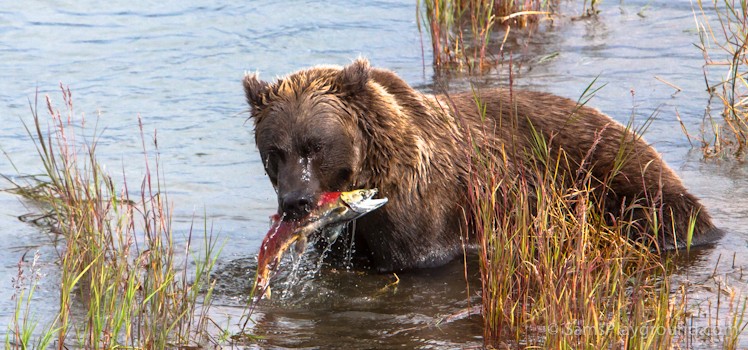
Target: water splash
[[295, 274], [351, 247], [330, 236], [306, 267]]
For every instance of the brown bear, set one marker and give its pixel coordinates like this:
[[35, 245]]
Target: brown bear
[[342, 128]]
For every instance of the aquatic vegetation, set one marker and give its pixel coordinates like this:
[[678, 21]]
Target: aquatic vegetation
[[124, 282], [723, 45], [556, 272], [462, 30], [592, 10]]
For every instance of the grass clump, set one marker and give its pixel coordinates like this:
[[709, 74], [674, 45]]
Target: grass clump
[[124, 283], [723, 44], [560, 272], [462, 30], [553, 273]]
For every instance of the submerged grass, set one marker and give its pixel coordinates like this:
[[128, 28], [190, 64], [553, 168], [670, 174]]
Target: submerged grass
[[124, 282], [724, 44], [557, 273]]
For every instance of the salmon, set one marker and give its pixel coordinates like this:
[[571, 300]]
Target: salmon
[[333, 208]]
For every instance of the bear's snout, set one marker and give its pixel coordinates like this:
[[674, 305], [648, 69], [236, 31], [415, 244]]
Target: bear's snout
[[296, 204]]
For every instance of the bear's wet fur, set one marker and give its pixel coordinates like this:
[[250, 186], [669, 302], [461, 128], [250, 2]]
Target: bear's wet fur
[[332, 128]]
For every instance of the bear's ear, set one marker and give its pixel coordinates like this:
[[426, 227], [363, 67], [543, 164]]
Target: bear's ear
[[353, 78], [254, 88]]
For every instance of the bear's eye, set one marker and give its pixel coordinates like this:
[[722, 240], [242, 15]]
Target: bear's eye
[[272, 158], [344, 175]]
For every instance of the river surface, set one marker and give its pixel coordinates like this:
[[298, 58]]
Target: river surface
[[179, 65]]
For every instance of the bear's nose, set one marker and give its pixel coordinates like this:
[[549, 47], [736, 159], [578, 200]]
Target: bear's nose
[[296, 205]]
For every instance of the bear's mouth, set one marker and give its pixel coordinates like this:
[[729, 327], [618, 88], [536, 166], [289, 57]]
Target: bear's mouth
[[333, 208]]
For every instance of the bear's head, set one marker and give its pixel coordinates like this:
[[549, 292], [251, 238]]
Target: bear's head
[[306, 131]]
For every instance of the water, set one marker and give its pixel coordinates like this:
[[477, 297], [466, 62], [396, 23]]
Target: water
[[179, 64]]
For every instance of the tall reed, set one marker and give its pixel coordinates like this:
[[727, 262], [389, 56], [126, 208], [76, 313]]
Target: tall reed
[[724, 45], [556, 270], [124, 281], [461, 31]]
